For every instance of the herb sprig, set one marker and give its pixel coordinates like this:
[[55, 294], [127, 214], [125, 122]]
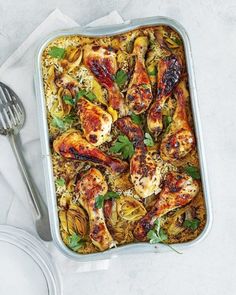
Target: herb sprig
[[158, 235], [192, 171], [75, 242], [99, 201], [57, 52], [87, 94], [136, 119], [60, 182], [124, 146], [63, 123], [192, 224], [148, 141], [120, 78]]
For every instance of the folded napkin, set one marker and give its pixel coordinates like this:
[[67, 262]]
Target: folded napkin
[[18, 72]]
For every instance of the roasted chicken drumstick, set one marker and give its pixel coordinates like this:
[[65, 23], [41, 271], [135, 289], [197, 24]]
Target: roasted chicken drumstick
[[72, 145], [169, 71], [144, 171], [139, 94], [179, 190], [87, 189], [179, 140]]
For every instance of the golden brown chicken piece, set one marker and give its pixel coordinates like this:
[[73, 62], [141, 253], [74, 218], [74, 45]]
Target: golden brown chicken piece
[[130, 129], [91, 185], [179, 190], [144, 171], [95, 122], [139, 94], [169, 71], [72, 145], [179, 140], [102, 63]]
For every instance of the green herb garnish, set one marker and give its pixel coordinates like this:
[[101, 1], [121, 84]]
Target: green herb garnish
[[148, 141], [192, 224], [69, 100], [136, 119], [99, 201], [193, 172], [87, 94], [153, 72], [64, 123], [60, 182], [158, 235], [75, 242], [167, 120], [57, 52], [177, 41], [120, 78], [58, 123], [123, 146]]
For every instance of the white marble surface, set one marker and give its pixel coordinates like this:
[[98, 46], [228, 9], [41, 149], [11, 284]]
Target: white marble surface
[[210, 267]]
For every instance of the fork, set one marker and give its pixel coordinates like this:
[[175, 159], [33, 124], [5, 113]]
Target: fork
[[12, 118]]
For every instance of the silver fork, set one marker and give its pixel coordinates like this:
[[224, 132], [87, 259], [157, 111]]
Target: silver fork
[[12, 118]]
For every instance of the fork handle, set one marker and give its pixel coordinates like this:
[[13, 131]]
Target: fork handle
[[38, 204]]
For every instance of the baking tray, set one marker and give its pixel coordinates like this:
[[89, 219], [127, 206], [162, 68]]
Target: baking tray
[[44, 138]]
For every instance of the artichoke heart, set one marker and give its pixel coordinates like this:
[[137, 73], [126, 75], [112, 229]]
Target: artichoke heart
[[130, 209]]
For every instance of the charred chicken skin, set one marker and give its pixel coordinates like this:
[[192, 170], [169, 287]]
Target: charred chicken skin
[[179, 140], [169, 72], [87, 189], [178, 190], [139, 94], [95, 122], [72, 145], [102, 63], [144, 172]]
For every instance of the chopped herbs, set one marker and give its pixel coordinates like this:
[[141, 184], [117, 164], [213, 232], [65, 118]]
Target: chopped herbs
[[192, 224], [177, 41], [75, 242], [167, 120], [148, 141], [123, 146], [193, 172], [60, 182], [120, 78], [99, 201], [87, 94], [63, 123], [136, 119], [152, 72], [69, 100], [57, 52]]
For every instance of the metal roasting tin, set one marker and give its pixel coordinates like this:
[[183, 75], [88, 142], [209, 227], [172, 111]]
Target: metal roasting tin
[[44, 138]]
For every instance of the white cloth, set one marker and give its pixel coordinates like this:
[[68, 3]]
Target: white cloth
[[18, 72]]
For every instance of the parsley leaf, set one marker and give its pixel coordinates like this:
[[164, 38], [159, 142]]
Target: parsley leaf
[[60, 182], [136, 119], [87, 94], [99, 201], [68, 100], [58, 123], [193, 172], [152, 72], [157, 234], [148, 141], [64, 123], [192, 224], [75, 242], [57, 52], [167, 120], [177, 41], [120, 78], [123, 146]]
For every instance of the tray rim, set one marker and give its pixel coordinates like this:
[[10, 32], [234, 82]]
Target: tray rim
[[101, 31]]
